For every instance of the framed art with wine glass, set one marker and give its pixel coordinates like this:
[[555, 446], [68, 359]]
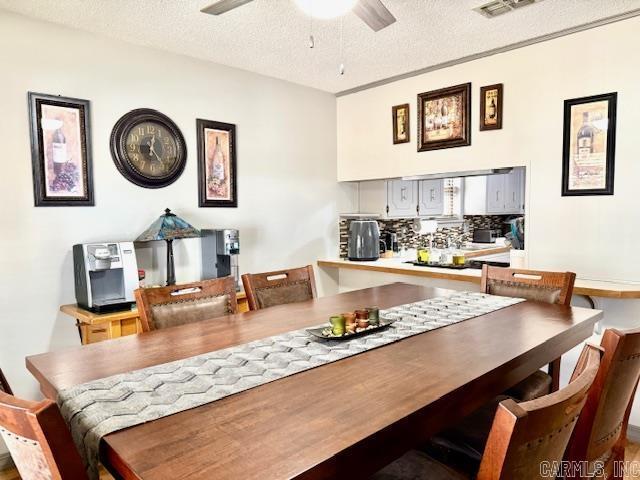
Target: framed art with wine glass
[[60, 151]]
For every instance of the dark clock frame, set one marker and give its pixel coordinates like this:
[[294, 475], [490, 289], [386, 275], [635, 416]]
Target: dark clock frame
[[118, 144]]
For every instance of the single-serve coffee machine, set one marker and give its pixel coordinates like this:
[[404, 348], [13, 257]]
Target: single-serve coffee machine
[[220, 250], [106, 274]]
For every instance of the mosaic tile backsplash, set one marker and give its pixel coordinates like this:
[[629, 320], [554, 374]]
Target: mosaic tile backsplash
[[407, 238]]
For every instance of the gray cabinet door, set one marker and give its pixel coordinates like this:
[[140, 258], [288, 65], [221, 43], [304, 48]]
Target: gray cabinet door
[[514, 191], [496, 194], [431, 197], [402, 198]]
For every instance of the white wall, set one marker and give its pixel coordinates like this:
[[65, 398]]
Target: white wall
[[569, 232], [287, 212], [593, 236]]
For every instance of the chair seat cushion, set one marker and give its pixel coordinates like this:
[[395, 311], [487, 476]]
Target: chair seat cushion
[[417, 465], [532, 387], [462, 446]]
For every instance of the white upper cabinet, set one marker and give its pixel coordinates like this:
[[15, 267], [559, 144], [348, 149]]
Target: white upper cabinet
[[402, 198], [495, 194], [431, 197]]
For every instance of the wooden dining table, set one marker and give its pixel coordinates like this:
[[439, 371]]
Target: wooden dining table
[[345, 419]]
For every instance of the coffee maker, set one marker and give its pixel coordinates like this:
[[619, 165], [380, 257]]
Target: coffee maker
[[106, 274], [220, 250]]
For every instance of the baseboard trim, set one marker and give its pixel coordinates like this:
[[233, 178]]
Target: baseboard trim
[[6, 462], [633, 433]]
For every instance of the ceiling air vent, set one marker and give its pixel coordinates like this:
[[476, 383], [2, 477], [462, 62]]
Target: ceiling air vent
[[499, 7]]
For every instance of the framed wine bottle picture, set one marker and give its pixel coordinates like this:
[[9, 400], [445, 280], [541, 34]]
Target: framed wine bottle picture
[[589, 145], [60, 151], [491, 107], [217, 173]]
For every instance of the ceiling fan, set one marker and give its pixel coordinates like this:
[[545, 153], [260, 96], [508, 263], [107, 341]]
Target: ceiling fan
[[372, 12]]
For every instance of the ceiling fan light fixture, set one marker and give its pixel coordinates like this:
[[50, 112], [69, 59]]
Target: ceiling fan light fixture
[[325, 9]]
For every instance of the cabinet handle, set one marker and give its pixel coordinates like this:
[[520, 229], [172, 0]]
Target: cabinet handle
[[497, 195], [514, 197], [403, 194], [433, 194]]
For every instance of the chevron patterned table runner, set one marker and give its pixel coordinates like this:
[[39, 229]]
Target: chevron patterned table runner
[[100, 407]]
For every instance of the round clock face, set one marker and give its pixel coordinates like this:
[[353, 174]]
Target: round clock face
[[148, 148]]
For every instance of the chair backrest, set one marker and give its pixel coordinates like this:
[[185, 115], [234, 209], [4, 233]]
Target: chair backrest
[[278, 288], [39, 440], [600, 434], [4, 385], [526, 436], [549, 287], [162, 307]]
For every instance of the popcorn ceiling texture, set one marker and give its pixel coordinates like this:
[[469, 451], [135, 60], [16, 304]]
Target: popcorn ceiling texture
[[270, 36], [407, 238]]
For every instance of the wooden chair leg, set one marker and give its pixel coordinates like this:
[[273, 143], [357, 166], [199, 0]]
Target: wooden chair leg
[[554, 372]]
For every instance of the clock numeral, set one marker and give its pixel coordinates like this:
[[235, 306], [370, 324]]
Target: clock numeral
[[133, 147], [151, 129], [142, 164], [159, 133], [140, 130], [136, 157]]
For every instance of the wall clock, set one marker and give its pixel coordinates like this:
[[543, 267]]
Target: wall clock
[[148, 148]]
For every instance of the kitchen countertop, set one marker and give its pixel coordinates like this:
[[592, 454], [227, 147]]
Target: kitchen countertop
[[593, 288]]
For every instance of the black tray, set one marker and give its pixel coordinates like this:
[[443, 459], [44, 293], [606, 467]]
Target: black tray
[[384, 323], [439, 265]]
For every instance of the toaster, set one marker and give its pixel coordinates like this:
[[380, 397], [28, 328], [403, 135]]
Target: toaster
[[485, 235]]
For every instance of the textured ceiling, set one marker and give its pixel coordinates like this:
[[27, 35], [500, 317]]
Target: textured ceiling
[[270, 36]]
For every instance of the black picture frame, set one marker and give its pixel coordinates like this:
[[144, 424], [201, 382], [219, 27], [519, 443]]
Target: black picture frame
[[610, 149], [38, 156], [202, 126], [464, 91], [499, 89]]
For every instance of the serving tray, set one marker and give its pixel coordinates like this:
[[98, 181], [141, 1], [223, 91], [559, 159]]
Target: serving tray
[[317, 332]]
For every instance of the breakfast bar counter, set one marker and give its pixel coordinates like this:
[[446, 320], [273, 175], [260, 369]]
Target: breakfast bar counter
[[586, 287]]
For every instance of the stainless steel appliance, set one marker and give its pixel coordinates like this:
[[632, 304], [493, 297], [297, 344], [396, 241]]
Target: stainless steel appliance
[[364, 240], [391, 241], [486, 235], [220, 250], [106, 274]]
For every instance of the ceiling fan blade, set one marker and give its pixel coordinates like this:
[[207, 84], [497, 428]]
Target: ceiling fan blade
[[374, 14], [223, 6]]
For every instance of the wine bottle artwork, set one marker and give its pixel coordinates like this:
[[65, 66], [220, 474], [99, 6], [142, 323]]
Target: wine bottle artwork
[[589, 145], [61, 150]]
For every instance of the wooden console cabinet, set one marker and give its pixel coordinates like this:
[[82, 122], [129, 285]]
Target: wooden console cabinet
[[95, 327]]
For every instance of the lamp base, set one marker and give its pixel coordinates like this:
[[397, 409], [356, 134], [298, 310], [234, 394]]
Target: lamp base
[[171, 271]]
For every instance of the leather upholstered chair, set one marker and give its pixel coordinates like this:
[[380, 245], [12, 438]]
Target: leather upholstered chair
[[522, 437], [4, 385], [269, 289], [38, 440], [601, 432], [163, 307], [548, 287]]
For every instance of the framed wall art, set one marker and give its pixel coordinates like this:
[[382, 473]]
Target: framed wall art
[[400, 119], [217, 166], [491, 107], [443, 118], [60, 151], [589, 145]]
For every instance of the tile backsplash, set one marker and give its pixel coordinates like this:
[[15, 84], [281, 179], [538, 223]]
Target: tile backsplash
[[407, 238]]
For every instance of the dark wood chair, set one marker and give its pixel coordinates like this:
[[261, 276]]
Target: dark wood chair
[[601, 431], [522, 437], [4, 385], [162, 307], [38, 440], [548, 287], [269, 289]]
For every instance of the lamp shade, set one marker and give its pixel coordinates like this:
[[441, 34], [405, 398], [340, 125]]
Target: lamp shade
[[168, 227]]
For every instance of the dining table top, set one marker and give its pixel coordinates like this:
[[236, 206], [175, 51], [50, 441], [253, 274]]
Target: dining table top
[[343, 419]]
